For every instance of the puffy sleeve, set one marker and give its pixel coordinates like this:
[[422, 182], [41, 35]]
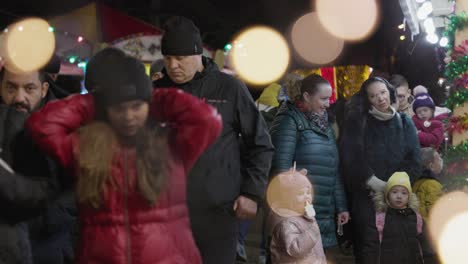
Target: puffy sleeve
[[196, 125], [433, 135], [341, 203], [411, 163], [284, 137], [296, 240], [53, 128]]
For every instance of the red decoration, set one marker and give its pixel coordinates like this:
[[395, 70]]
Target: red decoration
[[462, 81], [115, 25], [458, 167], [460, 50], [458, 123], [328, 73]]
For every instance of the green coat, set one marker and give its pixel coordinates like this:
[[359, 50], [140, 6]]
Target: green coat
[[297, 139]]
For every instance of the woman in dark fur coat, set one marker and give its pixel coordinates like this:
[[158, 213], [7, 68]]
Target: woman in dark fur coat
[[376, 142]]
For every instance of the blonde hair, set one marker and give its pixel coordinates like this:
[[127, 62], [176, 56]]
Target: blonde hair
[[98, 145], [292, 83]]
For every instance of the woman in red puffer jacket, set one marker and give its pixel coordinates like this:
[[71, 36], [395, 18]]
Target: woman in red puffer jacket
[[131, 149]]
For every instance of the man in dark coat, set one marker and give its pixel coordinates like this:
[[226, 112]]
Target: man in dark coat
[[218, 193], [40, 208]]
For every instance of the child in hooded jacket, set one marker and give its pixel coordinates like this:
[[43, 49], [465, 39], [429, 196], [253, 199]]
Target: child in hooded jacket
[[401, 235], [293, 228], [428, 187], [430, 129]]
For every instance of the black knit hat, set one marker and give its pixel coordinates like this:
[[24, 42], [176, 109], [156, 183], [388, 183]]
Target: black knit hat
[[181, 38], [53, 66], [114, 77]]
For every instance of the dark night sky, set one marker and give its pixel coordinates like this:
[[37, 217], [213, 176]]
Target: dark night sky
[[219, 20]]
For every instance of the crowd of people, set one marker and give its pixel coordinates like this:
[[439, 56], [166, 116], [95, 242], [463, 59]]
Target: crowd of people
[[171, 167]]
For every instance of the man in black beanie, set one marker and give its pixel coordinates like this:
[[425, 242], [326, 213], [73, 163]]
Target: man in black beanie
[[52, 70], [225, 185]]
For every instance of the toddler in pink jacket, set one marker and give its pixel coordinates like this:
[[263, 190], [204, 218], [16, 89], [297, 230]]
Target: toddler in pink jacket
[[295, 235]]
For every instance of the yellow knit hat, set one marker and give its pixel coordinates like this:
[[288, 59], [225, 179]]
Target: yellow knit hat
[[399, 178], [269, 95]]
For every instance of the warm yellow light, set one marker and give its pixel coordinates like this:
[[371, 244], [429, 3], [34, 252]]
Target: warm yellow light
[[351, 20], [401, 26], [402, 37], [313, 42], [260, 55], [444, 216], [279, 195], [453, 240], [27, 45]]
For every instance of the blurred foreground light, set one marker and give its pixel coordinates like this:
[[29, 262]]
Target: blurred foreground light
[[402, 37], [349, 20], [228, 47], [453, 242], [448, 227], [260, 55], [425, 10], [443, 42], [282, 190], [441, 81], [313, 42], [27, 45], [429, 25], [432, 38], [401, 26]]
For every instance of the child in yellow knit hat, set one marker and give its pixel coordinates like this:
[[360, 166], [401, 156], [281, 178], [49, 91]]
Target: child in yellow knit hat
[[400, 236]]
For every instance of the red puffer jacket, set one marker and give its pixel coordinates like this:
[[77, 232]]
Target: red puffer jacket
[[126, 229], [431, 135]]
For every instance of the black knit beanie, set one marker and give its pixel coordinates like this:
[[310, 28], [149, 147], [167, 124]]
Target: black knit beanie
[[114, 77], [181, 38], [53, 66]]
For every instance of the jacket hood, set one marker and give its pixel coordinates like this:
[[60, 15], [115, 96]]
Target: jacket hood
[[380, 202], [428, 174]]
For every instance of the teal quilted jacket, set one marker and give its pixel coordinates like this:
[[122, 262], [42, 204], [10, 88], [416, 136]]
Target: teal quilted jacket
[[297, 139]]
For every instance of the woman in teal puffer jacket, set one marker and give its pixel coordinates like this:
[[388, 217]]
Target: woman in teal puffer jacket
[[302, 133]]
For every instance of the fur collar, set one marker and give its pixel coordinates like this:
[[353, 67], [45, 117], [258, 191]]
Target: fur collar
[[381, 205]]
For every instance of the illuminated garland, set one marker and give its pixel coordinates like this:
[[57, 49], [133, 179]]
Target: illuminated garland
[[456, 157], [458, 123], [456, 68], [350, 78], [457, 98], [457, 22], [462, 81]]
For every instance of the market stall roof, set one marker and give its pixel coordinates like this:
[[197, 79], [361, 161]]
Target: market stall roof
[[97, 22]]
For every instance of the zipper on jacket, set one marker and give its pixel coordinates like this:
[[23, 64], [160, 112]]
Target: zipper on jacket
[[127, 224]]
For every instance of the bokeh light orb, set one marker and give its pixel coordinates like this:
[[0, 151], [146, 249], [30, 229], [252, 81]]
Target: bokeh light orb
[[453, 240], [313, 42], [447, 211], [27, 45], [260, 55], [282, 190], [350, 20]]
